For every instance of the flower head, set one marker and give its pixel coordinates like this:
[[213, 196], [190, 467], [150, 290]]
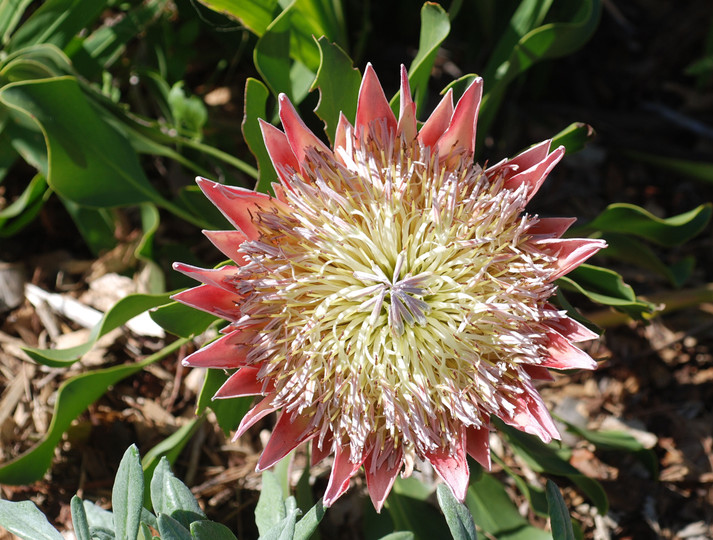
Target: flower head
[[393, 295]]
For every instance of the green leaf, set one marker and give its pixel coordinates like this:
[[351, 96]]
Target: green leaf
[[306, 527], [606, 287], [495, 513], [182, 320], [209, 530], [124, 310], [56, 22], [416, 515], [90, 162], [171, 497], [11, 12], [543, 42], [270, 509], [549, 459], [670, 232], [98, 517], [170, 529], [23, 210], [399, 535], [79, 519], [127, 496], [560, 521], [272, 55], [229, 412], [458, 517], [256, 15], [169, 448], [574, 137], [25, 520], [435, 27], [698, 170], [73, 398], [338, 82], [628, 249], [256, 95]]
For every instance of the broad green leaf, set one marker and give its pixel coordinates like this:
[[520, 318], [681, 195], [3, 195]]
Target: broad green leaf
[[171, 497], [435, 26], [458, 517], [90, 162], [412, 487], [34, 191], [495, 513], [168, 448], [56, 22], [124, 310], [272, 55], [560, 520], [669, 232], [155, 282], [415, 515], [127, 495], [270, 510], [256, 95], [25, 520], [306, 527], [606, 287], [35, 62], [73, 398], [229, 412], [574, 137], [625, 248], [182, 320], [170, 529], [535, 496], [79, 519], [99, 533], [399, 535], [608, 440], [11, 12], [210, 530], [256, 15], [338, 82]]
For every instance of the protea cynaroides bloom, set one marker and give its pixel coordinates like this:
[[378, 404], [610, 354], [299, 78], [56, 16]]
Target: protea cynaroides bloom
[[392, 295]]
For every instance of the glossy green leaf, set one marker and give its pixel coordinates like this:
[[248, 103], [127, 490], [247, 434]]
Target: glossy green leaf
[[535, 496], [90, 163], [34, 192], [73, 398], [338, 82], [270, 509], [25, 520], [182, 320], [256, 15], [574, 137], [79, 519], [608, 440], [170, 529], [229, 412], [256, 95], [669, 232], [605, 287], [171, 497], [210, 530], [125, 309], [457, 515], [38, 61], [56, 22], [399, 535], [127, 495], [435, 27], [272, 55], [306, 527], [560, 520], [415, 515]]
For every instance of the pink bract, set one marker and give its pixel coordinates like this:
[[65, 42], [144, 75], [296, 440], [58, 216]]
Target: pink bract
[[393, 295]]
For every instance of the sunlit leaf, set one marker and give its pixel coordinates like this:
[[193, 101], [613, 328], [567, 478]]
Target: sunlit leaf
[[270, 509], [26, 521], [228, 412], [458, 517], [256, 95], [127, 495], [574, 137]]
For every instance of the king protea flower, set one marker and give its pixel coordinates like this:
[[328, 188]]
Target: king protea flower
[[393, 295]]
